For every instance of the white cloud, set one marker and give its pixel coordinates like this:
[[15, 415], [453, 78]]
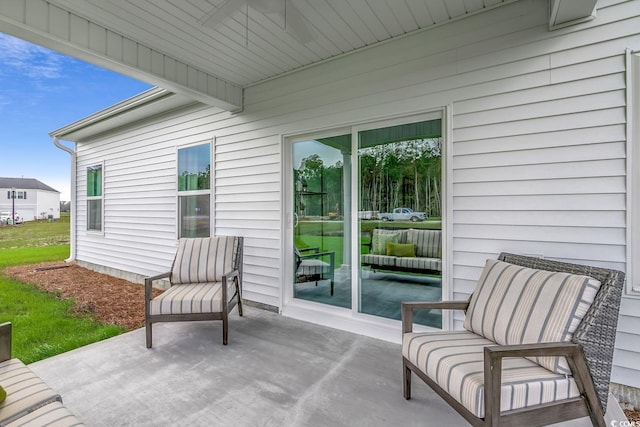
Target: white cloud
[[28, 59]]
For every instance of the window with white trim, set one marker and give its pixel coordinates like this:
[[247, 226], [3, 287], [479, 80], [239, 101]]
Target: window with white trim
[[194, 191], [94, 198]]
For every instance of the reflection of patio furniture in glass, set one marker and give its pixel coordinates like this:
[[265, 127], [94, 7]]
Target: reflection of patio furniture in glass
[[388, 250], [310, 266]]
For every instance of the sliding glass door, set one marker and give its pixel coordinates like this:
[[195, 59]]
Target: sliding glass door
[[322, 220], [373, 219], [400, 218]]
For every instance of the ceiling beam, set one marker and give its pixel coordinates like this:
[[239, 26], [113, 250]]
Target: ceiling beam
[[43, 23]]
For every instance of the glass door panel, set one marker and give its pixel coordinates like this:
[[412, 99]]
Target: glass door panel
[[399, 219], [321, 226]]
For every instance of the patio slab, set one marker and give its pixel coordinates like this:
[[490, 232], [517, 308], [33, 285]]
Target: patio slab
[[276, 371]]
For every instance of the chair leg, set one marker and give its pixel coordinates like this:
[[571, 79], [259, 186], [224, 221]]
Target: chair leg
[[149, 332], [225, 328], [406, 380], [239, 296]]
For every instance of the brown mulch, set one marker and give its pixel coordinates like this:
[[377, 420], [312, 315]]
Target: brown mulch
[[110, 299], [633, 415]]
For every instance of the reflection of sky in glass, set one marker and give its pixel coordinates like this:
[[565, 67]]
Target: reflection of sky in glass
[[329, 155], [193, 160]]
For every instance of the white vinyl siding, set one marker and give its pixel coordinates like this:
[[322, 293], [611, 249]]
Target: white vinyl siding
[[535, 149]]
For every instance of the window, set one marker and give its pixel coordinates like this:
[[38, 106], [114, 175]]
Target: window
[[94, 198], [17, 195], [194, 191]]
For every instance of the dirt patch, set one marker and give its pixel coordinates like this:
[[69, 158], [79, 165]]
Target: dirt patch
[[110, 299]]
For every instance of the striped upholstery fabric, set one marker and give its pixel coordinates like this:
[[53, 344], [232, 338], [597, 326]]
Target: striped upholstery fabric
[[25, 391], [203, 259], [51, 415], [455, 361], [190, 298], [381, 260], [434, 264], [519, 305], [428, 242], [313, 267]]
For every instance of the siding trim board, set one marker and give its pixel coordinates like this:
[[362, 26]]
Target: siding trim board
[[537, 156], [633, 166]]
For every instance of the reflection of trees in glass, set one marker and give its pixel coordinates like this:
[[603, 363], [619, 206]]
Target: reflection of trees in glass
[[406, 173], [322, 191], [194, 181]]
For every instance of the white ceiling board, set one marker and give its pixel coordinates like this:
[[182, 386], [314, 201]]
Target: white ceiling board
[[269, 46]]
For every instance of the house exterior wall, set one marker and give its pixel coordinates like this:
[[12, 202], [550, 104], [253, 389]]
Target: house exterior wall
[[535, 140], [37, 201], [48, 203]]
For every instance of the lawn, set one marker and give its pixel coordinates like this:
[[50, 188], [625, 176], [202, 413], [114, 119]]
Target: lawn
[[43, 324]]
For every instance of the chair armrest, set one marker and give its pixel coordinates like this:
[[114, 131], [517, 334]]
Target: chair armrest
[[313, 249], [5, 341], [231, 274], [409, 306], [316, 255], [493, 356], [567, 349], [148, 282]]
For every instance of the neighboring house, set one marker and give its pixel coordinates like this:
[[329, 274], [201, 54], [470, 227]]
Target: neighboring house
[[33, 199], [537, 131]]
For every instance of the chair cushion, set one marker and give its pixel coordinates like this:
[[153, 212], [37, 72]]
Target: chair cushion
[[428, 242], [455, 360], [412, 263], [190, 298], [312, 267], [379, 260], [380, 240], [518, 305], [203, 259], [53, 414], [25, 391], [401, 249]]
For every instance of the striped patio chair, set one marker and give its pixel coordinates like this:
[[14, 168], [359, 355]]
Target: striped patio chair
[[206, 284], [536, 349]]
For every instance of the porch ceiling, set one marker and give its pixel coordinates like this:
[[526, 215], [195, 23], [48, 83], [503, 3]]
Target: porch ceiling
[[211, 50]]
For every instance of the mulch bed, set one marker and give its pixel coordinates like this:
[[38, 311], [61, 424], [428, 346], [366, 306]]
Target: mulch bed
[[110, 299]]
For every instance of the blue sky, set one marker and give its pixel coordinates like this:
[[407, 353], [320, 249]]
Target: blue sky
[[41, 91]]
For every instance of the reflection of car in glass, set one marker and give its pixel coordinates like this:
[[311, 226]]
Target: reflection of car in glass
[[403, 214], [5, 218]]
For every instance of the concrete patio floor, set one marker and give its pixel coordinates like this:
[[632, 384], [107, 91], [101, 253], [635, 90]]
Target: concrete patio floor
[[276, 371]]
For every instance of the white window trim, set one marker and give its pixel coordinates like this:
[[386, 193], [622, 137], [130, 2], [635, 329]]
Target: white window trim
[[101, 198], [633, 174], [210, 191]]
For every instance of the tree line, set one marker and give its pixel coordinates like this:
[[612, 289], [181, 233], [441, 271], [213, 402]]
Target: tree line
[[399, 174]]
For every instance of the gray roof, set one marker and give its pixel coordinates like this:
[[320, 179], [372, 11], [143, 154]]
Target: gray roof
[[25, 184]]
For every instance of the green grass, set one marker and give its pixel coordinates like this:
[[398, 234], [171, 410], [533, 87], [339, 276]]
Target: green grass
[[35, 233], [43, 324]]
